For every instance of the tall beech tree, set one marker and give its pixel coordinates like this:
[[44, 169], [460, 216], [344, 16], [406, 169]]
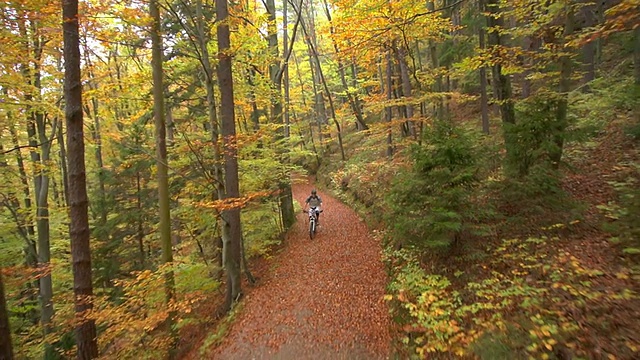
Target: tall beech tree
[[231, 227], [161, 149], [85, 330]]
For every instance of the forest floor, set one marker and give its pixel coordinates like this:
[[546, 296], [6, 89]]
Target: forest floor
[[314, 299]]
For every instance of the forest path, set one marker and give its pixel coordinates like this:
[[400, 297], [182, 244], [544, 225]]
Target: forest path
[[320, 299]]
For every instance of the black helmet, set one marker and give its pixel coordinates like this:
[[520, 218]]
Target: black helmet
[[313, 192]]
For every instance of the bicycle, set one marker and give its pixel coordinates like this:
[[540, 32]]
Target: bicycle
[[313, 221]]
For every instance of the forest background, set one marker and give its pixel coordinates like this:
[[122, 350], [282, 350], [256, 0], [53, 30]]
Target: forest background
[[492, 143]]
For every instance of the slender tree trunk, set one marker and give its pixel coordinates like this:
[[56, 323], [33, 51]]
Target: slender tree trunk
[[397, 87], [285, 69], [232, 232], [274, 68], [332, 109], [97, 138], [456, 21], [589, 54], [304, 103], [502, 85], [162, 160], [79, 233], [591, 50], [6, 348], [320, 111], [303, 91], [63, 164], [43, 227], [26, 222], [255, 112], [36, 130], [212, 112], [531, 45], [312, 44], [31, 251], [564, 87], [277, 111], [42, 190], [484, 99], [388, 110], [286, 197], [405, 82], [435, 64], [139, 219], [636, 67], [170, 126]]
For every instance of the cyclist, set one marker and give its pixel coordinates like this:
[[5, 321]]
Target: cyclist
[[315, 202]]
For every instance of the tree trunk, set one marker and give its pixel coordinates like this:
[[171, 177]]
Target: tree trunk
[[43, 227], [531, 45], [25, 223], [85, 330], [320, 111], [589, 62], [255, 112], [303, 91], [502, 84], [6, 348], [484, 99], [636, 67], [212, 113], [140, 220], [388, 109], [97, 138], [312, 44], [285, 74], [276, 73], [304, 103], [435, 64], [36, 130], [594, 14], [162, 161], [286, 197], [232, 232], [63, 164], [170, 127], [405, 82], [31, 252], [566, 69]]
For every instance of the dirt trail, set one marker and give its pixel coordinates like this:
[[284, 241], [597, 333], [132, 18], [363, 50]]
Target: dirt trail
[[322, 298]]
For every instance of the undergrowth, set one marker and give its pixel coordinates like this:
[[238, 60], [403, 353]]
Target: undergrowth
[[521, 303]]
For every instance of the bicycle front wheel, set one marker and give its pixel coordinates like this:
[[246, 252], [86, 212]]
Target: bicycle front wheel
[[312, 228]]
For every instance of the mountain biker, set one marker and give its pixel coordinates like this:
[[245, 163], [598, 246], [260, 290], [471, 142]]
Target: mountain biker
[[314, 201]]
